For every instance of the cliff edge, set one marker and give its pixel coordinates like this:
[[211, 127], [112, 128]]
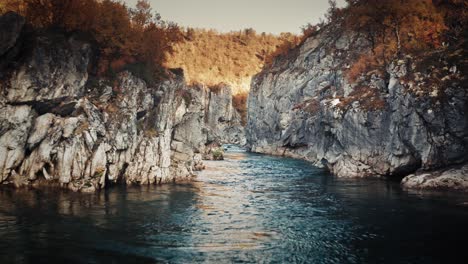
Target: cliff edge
[[413, 118]]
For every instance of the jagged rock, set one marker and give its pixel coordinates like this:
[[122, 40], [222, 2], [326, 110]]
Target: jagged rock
[[15, 125], [40, 129], [298, 107], [214, 111], [58, 128], [56, 68], [222, 119]]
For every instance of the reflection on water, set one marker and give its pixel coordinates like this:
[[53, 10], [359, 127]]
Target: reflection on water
[[248, 208]]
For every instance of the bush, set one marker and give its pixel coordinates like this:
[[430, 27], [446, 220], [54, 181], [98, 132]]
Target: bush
[[218, 154], [290, 43], [143, 71], [392, 28]]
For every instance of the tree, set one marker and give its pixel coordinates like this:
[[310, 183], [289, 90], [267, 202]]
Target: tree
[[11, 5], [142, 15], [309, 30], [392, 28], [407, 25], [455, 13]]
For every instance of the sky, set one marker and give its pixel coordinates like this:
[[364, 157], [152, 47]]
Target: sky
[[271, 16]]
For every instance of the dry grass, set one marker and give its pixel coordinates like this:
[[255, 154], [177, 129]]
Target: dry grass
[[112, 108], [151, 132]]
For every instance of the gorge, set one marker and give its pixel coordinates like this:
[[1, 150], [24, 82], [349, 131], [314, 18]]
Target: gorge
[[128, 139], [64, 126]]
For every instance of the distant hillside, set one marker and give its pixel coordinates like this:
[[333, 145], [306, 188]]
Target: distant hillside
[[211, 58]]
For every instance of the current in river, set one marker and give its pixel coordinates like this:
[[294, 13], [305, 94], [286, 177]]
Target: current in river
[[249, 208]]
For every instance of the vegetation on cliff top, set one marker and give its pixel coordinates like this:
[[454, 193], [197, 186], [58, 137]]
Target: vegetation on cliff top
[[393, 29], [396, 28], [427, 36], [136, 39]]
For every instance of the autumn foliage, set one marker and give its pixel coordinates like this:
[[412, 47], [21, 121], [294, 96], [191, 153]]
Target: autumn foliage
[[125, 36], [395, 29], [210, 57], [291, 42], [391, 28]]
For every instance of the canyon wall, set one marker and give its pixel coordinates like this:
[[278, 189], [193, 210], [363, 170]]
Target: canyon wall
[[61, 126], [304, 106]]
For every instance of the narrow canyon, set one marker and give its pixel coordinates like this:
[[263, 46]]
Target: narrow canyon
[[126, 138]]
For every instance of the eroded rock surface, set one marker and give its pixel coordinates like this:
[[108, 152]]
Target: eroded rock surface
[[212, 111], [304, 106], [59, 125]]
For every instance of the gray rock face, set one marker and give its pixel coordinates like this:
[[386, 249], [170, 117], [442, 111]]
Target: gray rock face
[[212, 112], [59, 127], [303, 106], [223, 121], [55, 69], [96, 143]]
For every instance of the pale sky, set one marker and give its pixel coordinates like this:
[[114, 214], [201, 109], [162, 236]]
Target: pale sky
[[272, 16]]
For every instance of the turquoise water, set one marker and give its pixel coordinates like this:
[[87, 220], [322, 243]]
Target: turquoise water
[[249, 208]]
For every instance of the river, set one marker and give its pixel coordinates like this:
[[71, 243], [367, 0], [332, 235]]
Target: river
[[249, 208]]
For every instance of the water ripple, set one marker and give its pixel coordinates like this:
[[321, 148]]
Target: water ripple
[[249, 208]]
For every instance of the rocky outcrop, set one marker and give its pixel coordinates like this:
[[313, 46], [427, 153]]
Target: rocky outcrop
[[454, 178], [222, 119], [212, 111], [61, 126], [304, 106]]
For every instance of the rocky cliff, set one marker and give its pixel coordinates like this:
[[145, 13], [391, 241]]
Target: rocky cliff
[[304, 106], [62, 126], [213, 110]]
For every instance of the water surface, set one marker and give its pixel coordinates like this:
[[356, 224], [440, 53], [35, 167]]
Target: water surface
[[249, 208]]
